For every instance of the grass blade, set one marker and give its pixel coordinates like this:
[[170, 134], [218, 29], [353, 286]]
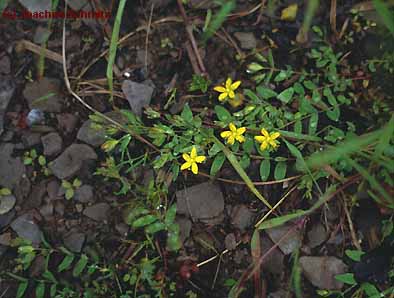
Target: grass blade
[[384, 12], [237, 166], [218, 19], [113, 47]]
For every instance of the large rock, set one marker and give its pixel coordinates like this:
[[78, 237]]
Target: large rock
[[71, 160], [5, 219], [74, 241], [242, 217], [11, 168], [84, 194], [27, 229], [138, 95], [44, 95], [7, 88], [246, 39], [321, 271], [202, 202], [6, 203]]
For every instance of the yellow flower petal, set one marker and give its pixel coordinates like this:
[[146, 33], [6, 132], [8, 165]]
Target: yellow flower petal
[[223, 96], [265, 133], [194, 168], [241, 130], [231, 140], [228, 83], [185, 166], [231, 94], [235, 85], [193, 153], [219, 89], [200, 159], [240, 139], [275, 135], [264, 145], [232, 127], [186, 156], [225, 134], [260, 139]]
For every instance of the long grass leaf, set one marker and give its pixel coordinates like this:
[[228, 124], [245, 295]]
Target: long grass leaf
[[218, 19], [113, 47], [237, 166], [386, 14]]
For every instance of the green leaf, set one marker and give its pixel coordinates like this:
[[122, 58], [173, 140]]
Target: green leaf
[[53, 290], [266, 93], [40, 290], [42, 160], [248, 145], [173, 240], [218, 19], [27, 161], [5, 191], [313, 122], [66, 184], [49, 276], [244, 161], [310, 85], [280, 170], [298, 136], [347, 278], [69, 193], [170, 215], [77, 183], [371, 290], [80, 265], [144, 221], [21, 289], [155, 227], [355, 255], [281, 76], [66, 263], [330, 97], [187, 113], [217, 164], [265, 169], [222, 114], [334, 114], [286, 95], [298, 127]]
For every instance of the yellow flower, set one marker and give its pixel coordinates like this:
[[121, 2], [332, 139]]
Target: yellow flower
[[267, 139], [233, 134], [192, 160], [227, 91]]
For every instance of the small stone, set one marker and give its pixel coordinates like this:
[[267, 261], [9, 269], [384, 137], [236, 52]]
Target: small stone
[[52, 143], [317, 235], [71, 160], [84, 194], [273, 262], [5, 65], [53, 187], [7, 88], [77, 5], [5, 239], [67, 122], [6, 203], [97, 212], [242, 217], [5, 219], [230, 242], [44, 95], [74, 241], [11, 168], [246, 39], [202, 202], [30, 139], [59, 208], [138, 95], [37, 5], [279, 294], [185, 227], [36, 195], [47, 211], [291, 241], [27, 229], [321, 271]]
